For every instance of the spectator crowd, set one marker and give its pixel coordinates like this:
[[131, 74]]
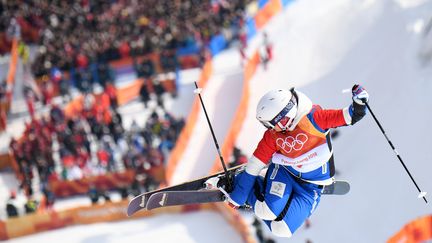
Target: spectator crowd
[[76, 41], [91, 143], [79, 36]]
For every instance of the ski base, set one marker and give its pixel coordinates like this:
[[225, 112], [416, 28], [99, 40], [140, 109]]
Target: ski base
[[174, 198]]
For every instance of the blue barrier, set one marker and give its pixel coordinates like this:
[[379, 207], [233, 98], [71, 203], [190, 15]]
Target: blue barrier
[[286, 2], [250, 28], [94, 72], [262, 3], [217, 44], [190, 48]]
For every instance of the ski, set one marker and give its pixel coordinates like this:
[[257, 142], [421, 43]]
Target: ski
[[174, 198], [140, 202]]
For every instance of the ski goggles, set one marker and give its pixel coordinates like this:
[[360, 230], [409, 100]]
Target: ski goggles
[[285, 117]]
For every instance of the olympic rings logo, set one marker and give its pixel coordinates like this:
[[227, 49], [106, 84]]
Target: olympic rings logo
[[290, 143]]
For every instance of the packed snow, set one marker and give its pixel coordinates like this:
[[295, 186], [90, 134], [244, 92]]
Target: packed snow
[[162, 229]]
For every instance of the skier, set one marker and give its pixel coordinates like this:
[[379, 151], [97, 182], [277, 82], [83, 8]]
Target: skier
[[297, 149], [265, 51]]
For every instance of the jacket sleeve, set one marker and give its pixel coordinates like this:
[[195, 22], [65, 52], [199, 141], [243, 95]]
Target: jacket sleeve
[[325, 119], [266, 147]]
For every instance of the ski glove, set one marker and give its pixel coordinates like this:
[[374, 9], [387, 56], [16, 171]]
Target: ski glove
[[360, 95]]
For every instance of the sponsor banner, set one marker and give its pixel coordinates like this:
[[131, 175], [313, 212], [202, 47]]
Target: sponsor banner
[[104, 182], [107, 181], [107, 212]]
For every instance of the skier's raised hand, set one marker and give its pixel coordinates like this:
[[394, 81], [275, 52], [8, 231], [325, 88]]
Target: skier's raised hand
[[360, 95]]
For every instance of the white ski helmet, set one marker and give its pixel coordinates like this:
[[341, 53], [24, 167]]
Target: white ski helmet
[[277, 107]]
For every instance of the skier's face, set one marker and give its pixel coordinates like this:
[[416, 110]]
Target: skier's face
[[284, 123], [277, 129]]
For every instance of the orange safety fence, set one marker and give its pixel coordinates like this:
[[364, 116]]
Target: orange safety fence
[[5, 161], [3, 231], [267, 12], [417, 231], [12, 65], [10, 79], [4, 107], [240, 115], [186, 133]]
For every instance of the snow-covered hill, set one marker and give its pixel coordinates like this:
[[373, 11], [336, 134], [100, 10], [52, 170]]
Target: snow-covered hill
[[324, 47]]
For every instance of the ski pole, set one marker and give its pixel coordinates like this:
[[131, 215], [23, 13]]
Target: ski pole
[[198, 91], [421, 193]]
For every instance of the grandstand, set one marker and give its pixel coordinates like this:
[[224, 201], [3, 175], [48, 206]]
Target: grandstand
[[93, 98]]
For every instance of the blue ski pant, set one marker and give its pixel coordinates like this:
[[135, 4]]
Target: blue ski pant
[[280, 186]]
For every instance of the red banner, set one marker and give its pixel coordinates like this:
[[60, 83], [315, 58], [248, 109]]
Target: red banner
[[103, 182]]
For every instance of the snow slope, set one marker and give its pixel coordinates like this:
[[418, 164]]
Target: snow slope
[[327, 46], [184, 228], [224, 86]]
